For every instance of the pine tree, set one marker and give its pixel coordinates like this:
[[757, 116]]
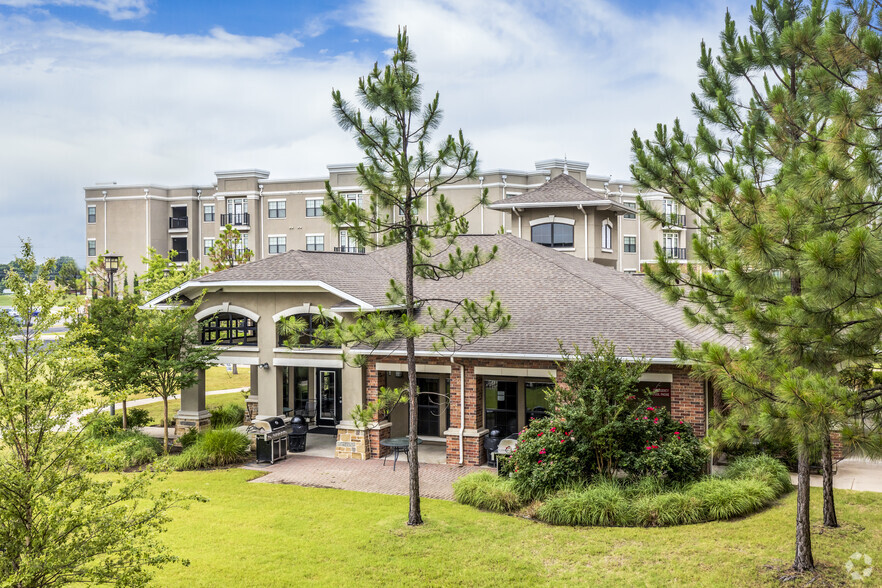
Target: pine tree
[[400, 173], [788, 250], [228, 250]]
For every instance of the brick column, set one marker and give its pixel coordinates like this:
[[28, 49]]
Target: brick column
[[688, 400], [473, 431], [365, 444]]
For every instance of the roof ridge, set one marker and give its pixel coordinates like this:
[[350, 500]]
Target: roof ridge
[[582, 278]]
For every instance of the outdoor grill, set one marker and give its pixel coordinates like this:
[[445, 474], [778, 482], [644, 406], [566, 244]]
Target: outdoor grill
[[271, 434]]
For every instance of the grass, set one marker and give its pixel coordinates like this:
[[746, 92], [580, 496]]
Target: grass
[[216, 378], [155, 408], [278, 535], [216, 447]]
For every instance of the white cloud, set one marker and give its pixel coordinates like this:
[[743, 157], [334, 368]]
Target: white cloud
[[115, 9], [524, 82]]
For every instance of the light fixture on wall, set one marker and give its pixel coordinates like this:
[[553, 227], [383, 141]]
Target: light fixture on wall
[[263, 366]]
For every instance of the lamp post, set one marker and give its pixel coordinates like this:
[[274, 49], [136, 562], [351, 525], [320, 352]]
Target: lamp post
[[111, 266]]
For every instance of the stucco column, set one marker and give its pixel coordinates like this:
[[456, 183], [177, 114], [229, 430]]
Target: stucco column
[[192, 414], [269, 400]]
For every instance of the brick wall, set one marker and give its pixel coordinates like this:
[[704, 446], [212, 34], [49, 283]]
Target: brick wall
[[687, 397]]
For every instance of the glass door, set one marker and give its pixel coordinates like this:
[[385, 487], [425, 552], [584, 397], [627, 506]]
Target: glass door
[[329, 397]]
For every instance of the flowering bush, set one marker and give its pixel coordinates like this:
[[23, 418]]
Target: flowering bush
[[544, 459], [659, 445]]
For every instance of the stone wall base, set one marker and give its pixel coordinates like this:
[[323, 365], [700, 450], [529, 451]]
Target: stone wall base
[[352, 444], [250, 409], [184, 421]]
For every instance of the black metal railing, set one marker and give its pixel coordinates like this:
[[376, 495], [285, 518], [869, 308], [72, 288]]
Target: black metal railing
[[180, 257], [237, 219], [349, 249], [675, 252], [675, 220], [177, 222]]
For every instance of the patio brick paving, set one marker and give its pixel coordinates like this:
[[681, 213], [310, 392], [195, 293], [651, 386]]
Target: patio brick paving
[[362, 476]]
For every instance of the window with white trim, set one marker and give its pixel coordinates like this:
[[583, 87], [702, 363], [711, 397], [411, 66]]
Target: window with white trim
[[355, 199], [630, 244], [552, 234], [314, 207], [92, 247], [92, 214], [632, 205], [277, 244], [207, 244], [208, 213], [315, 242], [276, 208], [606, 236]]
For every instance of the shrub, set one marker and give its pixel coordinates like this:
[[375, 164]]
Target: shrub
[[763, 468], [104, 424], [228, 415], [189, 438], [123, 449], [725, 499], [667, 509], [486, 491], [602, 503], [544, 459], [213, 448]]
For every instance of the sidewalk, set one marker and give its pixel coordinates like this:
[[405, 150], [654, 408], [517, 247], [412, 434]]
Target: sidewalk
[[853, 474]]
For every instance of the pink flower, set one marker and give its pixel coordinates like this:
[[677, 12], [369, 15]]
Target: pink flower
[[553, 429], [632, 397], [681, 422], [655, 420], [567, 433], [540, 434], [655, 446], [540, 461], [650, 408], [542, 451], [676, 432], [648, 448], [562, 440], [644, 418]]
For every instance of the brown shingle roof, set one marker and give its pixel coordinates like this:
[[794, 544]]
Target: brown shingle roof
[[562, 189], [552, 296]]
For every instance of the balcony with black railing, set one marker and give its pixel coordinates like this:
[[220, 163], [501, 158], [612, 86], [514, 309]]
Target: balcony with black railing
[[675, 252], [178, 222], [675, 220], [179, 256], [237, 219], [349, 249]]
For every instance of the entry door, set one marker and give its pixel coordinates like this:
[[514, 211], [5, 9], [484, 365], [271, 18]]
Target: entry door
[[330, 399]]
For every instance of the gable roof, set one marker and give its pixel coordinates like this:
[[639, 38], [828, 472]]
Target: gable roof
[[552, 297], [563, 190]]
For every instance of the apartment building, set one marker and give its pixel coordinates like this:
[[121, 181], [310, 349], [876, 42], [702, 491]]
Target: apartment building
[[558, 205]]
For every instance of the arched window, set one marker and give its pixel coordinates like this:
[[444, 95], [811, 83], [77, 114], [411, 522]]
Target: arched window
[[606, 236], [553, 234], [228, 328], [299, 330]]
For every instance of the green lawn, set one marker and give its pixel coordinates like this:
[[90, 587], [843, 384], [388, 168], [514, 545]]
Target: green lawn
[[217, 378], [281, 535], [155, 409]]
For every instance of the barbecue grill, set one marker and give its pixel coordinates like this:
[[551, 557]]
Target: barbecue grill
[[271, 434]]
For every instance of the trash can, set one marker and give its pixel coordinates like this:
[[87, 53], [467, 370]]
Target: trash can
[[491, 443], [297, 436]]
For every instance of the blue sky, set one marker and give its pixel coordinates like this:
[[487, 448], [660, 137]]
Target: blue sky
[[168, 92]]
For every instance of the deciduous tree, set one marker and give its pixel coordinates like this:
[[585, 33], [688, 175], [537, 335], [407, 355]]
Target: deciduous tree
[[228, 250]]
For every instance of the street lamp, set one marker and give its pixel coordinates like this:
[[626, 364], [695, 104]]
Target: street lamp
[[111, 265]]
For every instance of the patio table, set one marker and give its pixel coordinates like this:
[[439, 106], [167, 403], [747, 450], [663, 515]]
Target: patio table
[[397, 445]]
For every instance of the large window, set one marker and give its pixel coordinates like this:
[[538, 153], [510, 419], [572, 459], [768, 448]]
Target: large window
[[314, 207], [315, 242], [208, 213], [276, 209], [90, 212], [277, 244], [553, 234], [306, 338], [227, 328], [501, 406], [630, 244], [535, 403], [91, 248]]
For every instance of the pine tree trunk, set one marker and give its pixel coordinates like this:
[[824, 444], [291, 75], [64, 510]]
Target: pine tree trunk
[[827, 469], [125, 415], [415, 516], [235, 368], [804, 560]]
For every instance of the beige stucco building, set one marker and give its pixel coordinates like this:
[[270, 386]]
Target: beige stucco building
[[589, 216]]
